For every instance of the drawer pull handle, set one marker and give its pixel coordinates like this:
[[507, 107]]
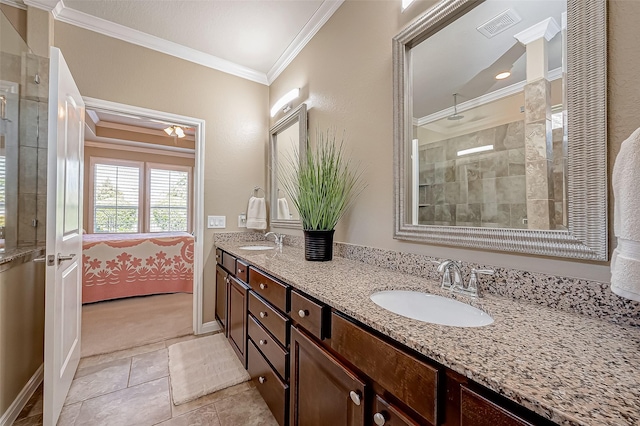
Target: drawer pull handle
[[240, 271], [263, 314], [263, 286], [378, 419], [302, 313], [355, 397], [263, 342], [262, 379]]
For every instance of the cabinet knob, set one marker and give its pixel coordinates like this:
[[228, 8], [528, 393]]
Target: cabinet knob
[[379, 419], [263, 286], [240, 271], [302, 313], [263, 314], [355, 397], [263, 342], [262, 379]]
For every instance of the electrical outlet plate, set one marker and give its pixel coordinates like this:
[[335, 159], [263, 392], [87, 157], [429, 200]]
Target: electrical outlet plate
[[242, 220], [216, 222]]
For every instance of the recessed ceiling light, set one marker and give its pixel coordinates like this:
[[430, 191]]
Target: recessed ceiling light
[[503, 75]]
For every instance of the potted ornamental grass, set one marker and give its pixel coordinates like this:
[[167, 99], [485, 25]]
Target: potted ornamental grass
[[322, 184]]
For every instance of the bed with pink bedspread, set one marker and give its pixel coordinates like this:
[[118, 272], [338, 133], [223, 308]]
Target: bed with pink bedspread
[[125, 265]]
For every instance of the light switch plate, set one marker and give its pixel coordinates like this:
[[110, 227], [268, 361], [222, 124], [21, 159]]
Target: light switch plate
[[216, 221], [242, 220]]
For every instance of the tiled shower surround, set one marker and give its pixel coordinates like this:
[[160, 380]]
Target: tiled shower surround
[[485, 189], [575, 295]]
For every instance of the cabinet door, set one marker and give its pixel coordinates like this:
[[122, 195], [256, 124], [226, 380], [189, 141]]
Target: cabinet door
[[323, 391], [237, 318], [476, 410], [386, 414], [221, 297]]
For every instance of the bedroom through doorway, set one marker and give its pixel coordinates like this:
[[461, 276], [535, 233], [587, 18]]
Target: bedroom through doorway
[[141, 204]]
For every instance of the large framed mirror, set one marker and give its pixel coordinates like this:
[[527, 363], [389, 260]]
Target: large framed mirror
[[500, 127], [288, 140]]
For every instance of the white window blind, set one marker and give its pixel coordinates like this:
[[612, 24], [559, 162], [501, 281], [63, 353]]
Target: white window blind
[[116, 198], [168, 200]]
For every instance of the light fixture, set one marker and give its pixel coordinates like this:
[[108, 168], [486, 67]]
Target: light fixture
[[474, 150], [455, 115], [406, 3], [175, 131], [283, 101], [503, 75]]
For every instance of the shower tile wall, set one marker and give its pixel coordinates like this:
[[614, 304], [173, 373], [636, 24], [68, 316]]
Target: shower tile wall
[[483, 189], [32, 180]]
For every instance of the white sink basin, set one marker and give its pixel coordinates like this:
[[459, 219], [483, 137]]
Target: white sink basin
[[431, 308], [257, 248]]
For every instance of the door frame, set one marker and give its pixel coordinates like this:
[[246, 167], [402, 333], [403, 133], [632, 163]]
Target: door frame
[[198, 194]]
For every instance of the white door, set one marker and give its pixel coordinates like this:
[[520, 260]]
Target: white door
[[63, 303]]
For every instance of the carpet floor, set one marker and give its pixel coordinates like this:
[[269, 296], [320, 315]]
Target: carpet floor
[[126, 323]]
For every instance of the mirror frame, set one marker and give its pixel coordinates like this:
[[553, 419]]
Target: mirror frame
[[586, 236], [299, 115]]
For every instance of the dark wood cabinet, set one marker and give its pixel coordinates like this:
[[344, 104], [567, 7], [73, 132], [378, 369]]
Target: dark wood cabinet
[[476, 410], [387, 414], [274, 391], [237, 318], [221, 297], [323, 390]]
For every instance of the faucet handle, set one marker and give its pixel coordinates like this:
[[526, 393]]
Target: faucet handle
[[472, 288], [483, 271]]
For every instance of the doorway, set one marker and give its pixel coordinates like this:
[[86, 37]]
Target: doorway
[[117, 119]]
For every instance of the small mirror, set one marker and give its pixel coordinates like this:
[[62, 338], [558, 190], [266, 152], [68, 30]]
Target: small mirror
[[500, 127], [288, 138]]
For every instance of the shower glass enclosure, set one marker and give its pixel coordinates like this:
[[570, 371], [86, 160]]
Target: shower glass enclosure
[[24, 92]]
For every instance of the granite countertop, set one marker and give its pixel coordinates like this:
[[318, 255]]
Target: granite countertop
[[22, 253], [572, 369]]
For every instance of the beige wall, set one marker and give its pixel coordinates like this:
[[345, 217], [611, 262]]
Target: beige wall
[[122, 155], [21, 328], [345, 73], [17, 18], [236, 113]]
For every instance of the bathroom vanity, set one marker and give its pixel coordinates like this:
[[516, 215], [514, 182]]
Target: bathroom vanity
[[321, 352]]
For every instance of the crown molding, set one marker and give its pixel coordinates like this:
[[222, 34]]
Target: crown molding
[[15, 3], [111, 29], [319, 18], [547, 28], [484, 99]]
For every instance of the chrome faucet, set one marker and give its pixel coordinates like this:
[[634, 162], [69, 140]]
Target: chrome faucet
[[452, 280], [278, 238]]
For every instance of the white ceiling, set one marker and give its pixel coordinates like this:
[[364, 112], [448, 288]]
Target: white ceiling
[[254, 39]]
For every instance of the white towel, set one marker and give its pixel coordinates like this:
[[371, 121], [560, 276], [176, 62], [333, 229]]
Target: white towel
[[283, 209], [625, 263], [256, 214]]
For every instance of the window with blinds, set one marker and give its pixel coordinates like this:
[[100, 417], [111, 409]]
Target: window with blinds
[[168, 200], [116, 198]]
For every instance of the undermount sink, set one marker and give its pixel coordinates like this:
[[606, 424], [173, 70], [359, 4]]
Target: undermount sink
[[257, 248], [431, 308]]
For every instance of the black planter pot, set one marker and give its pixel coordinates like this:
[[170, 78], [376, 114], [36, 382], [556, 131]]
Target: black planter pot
[[318, 245]]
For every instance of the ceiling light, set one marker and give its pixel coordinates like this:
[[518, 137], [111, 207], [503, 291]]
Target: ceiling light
[[474, 150], [175, 131], [503, 75], [283, 101]]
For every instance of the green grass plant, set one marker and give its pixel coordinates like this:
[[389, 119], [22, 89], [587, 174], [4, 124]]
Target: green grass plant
[[323, 184]]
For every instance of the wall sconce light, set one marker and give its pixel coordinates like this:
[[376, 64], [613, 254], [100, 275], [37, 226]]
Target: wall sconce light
[[175, 131], [406, 4], [284, 101]]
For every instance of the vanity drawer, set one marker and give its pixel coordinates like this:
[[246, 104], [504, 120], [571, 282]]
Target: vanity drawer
[[391, 414], [270, 318], [309, 314], [409, 379], [271, 290], [274, 353], [273, 390], [229, 262], [219, 256], [242, 271], [476, 410]]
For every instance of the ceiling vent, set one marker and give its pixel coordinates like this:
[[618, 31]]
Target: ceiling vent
[[506, 19]]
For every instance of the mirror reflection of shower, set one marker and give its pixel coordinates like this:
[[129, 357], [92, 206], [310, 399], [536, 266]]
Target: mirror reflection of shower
[[455, 116]]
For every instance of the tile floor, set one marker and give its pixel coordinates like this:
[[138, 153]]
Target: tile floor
[[132, 387]]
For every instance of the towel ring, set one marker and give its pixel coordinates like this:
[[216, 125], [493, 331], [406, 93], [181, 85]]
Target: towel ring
[[257, 190]]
